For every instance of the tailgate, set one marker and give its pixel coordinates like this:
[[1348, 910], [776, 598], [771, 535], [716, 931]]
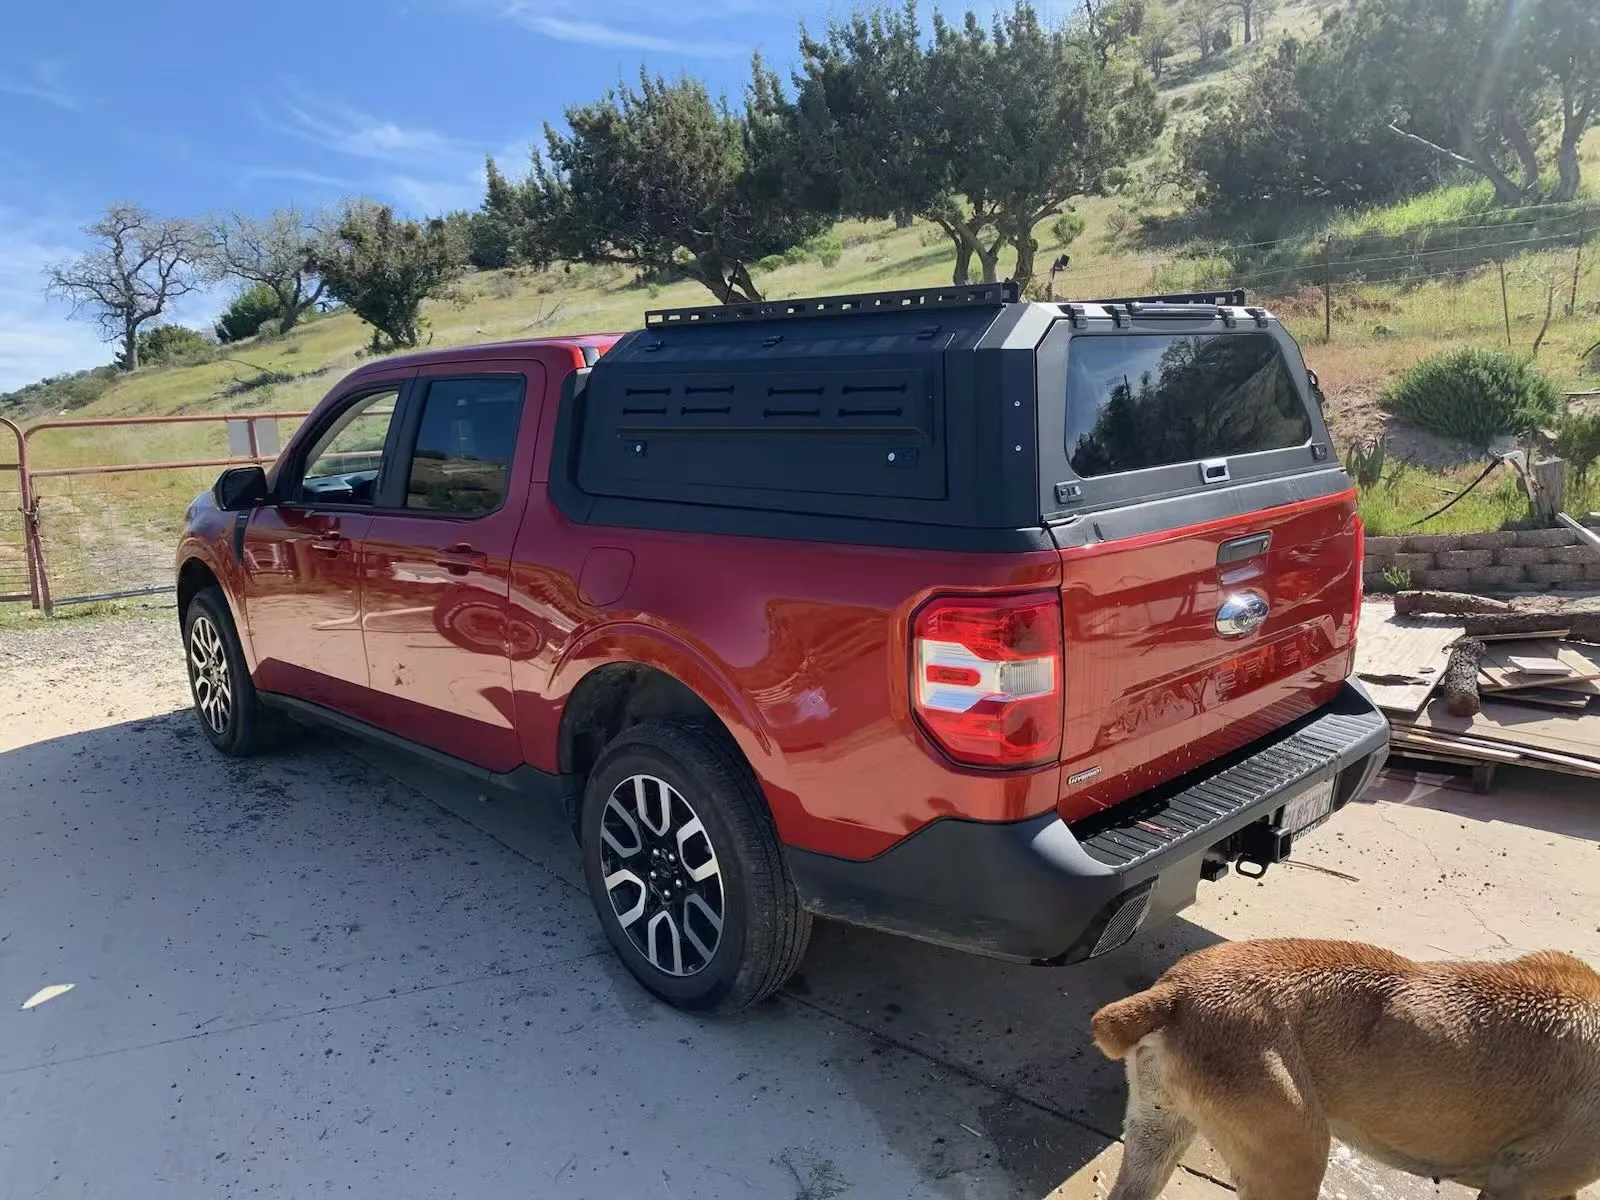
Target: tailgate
[[1189, 643], [1208, 538]]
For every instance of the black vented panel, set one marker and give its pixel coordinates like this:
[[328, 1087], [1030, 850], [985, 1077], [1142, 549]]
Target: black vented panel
[[857, 430], [1124, 923], [1187, 810]]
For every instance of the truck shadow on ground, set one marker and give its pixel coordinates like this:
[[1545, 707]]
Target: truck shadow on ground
[[1019, 1032], [193, 896]]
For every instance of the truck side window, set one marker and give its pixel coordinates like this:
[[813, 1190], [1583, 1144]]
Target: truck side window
[[465, 443], [343, 466]]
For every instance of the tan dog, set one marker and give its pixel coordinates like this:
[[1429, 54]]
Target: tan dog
[[1483, 1073]]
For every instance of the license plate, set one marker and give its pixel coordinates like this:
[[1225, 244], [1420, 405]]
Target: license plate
[[1309, 809]]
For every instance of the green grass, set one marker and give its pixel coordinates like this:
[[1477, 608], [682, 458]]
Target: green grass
[[21, 616], [1457, 204], [1497, 503]]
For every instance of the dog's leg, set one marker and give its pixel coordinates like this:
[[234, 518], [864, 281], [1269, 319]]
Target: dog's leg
[[1155, 1134], [1284, 1163], [1269, 1129]]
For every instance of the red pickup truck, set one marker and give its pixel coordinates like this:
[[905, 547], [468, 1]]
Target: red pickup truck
[[995, 624]]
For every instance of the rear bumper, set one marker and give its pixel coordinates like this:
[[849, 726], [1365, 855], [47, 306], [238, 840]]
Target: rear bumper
[[1041, 891]]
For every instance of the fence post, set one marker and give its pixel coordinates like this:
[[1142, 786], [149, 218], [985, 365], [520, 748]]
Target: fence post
[[23, 507], [1505, 301], [32, 545], [1577, 267], [1327, 289]]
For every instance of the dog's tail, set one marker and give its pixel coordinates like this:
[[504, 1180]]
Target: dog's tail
[[1120, 1026]]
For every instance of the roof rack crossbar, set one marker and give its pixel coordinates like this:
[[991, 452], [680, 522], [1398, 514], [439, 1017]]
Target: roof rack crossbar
[[1234, 297], [906, 299]]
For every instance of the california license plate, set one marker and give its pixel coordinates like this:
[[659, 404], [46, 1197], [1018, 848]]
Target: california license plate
[[1309, 809]]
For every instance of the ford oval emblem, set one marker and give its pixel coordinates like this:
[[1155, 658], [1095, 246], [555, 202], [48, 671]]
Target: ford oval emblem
[[1241, 613]]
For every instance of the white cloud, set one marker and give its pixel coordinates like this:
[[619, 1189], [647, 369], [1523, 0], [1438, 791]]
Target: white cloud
[[344, 129], [556, 21], [39, 81], [316, 179], [435, 197], [429, 172]]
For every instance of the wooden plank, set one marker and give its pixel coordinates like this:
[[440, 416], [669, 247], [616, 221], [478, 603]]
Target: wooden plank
[[1574, 737], [1529, 664], [1587, 536], [1499, 672], [1465, 752], [1402, 648], [1461, 749], [1546, 697], [1519, 637], [1583, 687]]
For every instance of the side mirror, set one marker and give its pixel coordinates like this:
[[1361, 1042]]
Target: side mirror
[[239, 488]]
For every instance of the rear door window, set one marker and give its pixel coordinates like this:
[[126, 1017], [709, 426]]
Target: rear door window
[[1142, 400], [466, 438]]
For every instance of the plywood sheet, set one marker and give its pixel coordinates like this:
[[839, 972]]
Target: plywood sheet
[[1548, 697], [1574, 737], [1400, 659], [1499, 671]]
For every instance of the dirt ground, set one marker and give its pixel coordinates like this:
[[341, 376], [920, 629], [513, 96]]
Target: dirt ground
[[331, 971]]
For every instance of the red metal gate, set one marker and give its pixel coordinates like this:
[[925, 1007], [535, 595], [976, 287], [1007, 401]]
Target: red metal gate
[[91, 529], [18, 566]]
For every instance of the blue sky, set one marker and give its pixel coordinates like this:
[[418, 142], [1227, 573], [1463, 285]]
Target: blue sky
[[190, 109]]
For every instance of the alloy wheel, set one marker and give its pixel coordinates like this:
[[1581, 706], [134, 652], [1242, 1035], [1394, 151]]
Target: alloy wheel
[[661, 875], [208, 672]]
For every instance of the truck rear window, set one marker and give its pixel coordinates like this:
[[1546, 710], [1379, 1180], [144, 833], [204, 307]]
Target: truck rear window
[[1143, 400]]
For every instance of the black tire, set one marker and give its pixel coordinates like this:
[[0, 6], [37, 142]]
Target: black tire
[[225, 700], [764, 929]]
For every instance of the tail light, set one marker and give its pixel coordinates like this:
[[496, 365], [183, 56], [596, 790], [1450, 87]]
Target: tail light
[[1361, 566], [987, 677]]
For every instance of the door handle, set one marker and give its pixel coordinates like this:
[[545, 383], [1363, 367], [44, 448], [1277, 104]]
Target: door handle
[[329, 544], [460, 559]]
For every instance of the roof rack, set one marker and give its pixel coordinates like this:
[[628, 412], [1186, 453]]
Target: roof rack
[[1234, 297], [907, 299]]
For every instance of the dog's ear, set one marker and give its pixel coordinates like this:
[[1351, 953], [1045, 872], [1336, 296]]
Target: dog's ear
[[1121, 1026]]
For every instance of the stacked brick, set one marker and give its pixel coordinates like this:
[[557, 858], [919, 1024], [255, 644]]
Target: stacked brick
[[1512, 560]]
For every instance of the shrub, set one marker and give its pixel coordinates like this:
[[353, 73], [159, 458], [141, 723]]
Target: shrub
[[382, 268], [826, 248], [58, 392], [250, 310], [174, 344], [1067, 228], [1396, 579], [1473, 394], [1365, 460], [1578, 441]]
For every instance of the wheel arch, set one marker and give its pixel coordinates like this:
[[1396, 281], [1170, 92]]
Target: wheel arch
[[612, 698], [619, 674], [193, 575]]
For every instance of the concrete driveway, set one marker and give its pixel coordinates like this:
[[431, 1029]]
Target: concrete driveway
[[332, 972]]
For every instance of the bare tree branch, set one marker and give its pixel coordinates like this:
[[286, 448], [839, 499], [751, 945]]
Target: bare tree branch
[[139, 265], [274, 253], [1461, 160]]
